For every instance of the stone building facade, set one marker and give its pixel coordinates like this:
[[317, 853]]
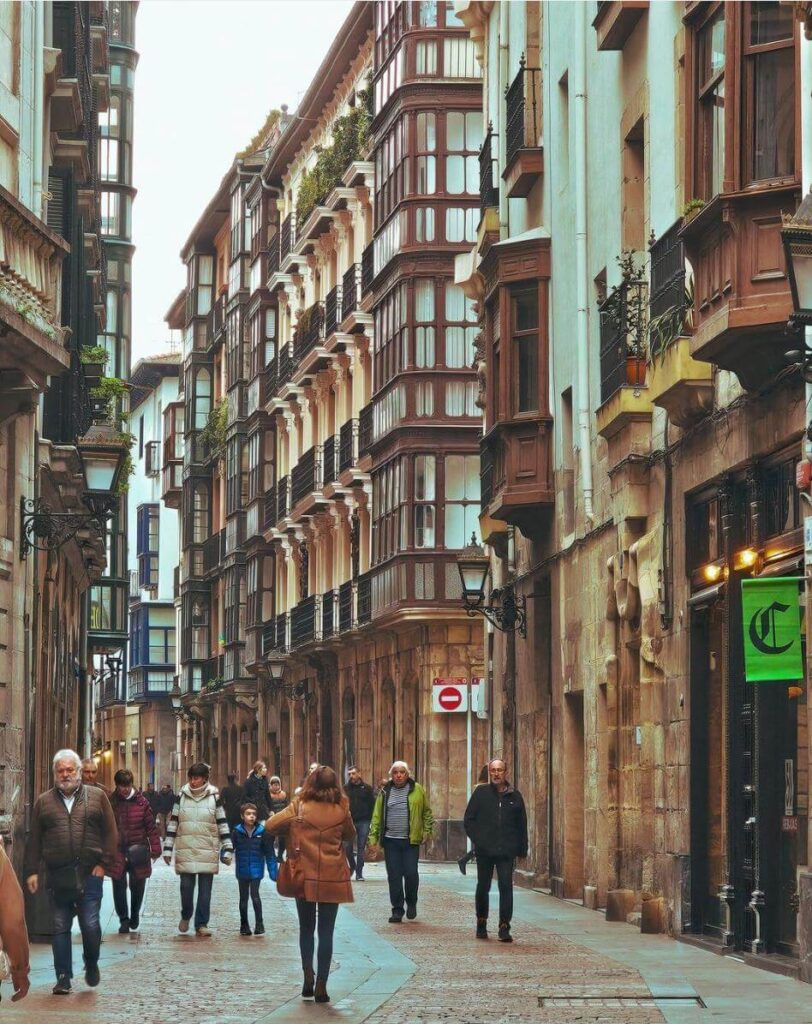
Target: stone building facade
[[633, 232]]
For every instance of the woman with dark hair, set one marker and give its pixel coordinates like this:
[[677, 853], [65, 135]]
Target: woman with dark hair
[[317, 824], [138, 845], [256, 789]]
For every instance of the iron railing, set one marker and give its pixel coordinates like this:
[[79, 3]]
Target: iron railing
[[485, 474], [269, 517], [282, 497], [306, 475], [367, 269], [350, 291], [332, 307], [488, 159], [667, 256], [273, 255], [622, 336], [365, 430], [348, 445], [310, 330], [287, 236], [523, 110], [303, 622], [328, 606], [364, 599], [330, 460], [345, 603]]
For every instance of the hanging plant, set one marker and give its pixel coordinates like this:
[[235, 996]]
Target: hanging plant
[[213, 434]]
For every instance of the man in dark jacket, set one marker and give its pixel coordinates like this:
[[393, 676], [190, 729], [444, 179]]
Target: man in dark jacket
[[163, 807], [232, 797], [496, 823], [362, 802], [73, 832]]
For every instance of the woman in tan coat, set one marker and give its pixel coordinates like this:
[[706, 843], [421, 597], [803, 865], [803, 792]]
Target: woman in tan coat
[[321, 825]]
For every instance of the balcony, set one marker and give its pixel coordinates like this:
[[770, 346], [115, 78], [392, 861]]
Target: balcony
[[350, 291], [216, 321], [623, 323], [214, 551], [367, 270], [329, 460], [235, 532], [305, 480], [269, 517], [523, 153], [348, 446], [283, 498], [309, 332], [616, 20], [332, 311], [145, 684], [303, 622], [365, 431], [329, 608], [274, 256], [345, 606], [287, 237], [488, 160], [30, 295], [364, 599], [741, 294]]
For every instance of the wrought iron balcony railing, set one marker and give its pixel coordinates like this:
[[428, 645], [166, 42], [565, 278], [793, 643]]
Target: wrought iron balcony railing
[[303, 622], [488, 161], [367, 269], [623, 343], [330, 460], [345, 606], [273, 255], [523, 110], [348, 445], [287, 236], [310, 331], [365, 430], [350, 290], [306, 475]]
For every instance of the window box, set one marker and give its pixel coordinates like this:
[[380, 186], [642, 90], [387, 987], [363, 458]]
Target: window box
[[615, 21], [681, 385]]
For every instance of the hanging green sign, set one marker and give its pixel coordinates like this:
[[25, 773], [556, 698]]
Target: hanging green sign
[[772, 630]]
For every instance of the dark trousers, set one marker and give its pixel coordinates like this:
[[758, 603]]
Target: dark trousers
[[86, 908], [187, 898], [326, 914], [504, 878], [250, 885], [137, 886], [401, 871], [356, 860]]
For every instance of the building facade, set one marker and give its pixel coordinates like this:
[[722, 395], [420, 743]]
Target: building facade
[[330, 471], [54, 85], [641, 430]]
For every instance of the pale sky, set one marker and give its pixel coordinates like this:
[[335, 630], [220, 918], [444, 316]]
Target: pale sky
[[209, 72]]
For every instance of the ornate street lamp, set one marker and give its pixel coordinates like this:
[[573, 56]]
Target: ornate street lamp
[[796, 235], [45, 530], [503, 609], [275, 667]]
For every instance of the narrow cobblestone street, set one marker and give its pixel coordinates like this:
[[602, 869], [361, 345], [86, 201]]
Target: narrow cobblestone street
[[566, 965]]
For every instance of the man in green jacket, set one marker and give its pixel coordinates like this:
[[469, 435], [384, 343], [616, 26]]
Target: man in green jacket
[[401, 820]]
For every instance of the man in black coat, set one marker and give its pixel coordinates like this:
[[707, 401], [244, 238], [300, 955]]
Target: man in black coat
[[164, 802], [496, 823], [362, 802], [232, 796]]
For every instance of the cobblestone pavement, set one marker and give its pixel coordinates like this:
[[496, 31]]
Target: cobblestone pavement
[[566, 965]]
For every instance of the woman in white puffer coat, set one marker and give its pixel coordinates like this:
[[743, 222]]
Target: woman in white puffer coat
[[198, 832]]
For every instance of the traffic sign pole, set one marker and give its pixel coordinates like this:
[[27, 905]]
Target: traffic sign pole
[[469, 753]]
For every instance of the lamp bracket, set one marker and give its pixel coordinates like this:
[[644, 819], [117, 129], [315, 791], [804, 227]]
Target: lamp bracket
[[42, 529], [504, 611]]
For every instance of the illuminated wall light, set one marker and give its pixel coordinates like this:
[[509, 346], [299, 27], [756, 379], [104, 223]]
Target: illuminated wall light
[[794, 692], [745, 559], [712, 572]]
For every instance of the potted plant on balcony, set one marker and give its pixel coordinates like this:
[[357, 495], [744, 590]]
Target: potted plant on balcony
[[93, 359], [629, 314], [213, 434]]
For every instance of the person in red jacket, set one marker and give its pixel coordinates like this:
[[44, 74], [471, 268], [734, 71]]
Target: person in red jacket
[[139, 844]]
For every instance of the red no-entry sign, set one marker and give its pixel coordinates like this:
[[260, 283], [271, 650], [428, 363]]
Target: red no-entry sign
[[450, 695]]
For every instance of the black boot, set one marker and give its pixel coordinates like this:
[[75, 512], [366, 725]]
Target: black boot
[[482, 927], [309, 982], [244, 929], [504, 932], [259, 928], [321, 991]]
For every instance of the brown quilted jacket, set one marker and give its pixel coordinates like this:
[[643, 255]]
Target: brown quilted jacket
[[52, 829], [321, 836]]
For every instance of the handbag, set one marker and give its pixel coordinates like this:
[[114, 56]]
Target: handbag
[[67, 881], [290, 880], [138, 855]]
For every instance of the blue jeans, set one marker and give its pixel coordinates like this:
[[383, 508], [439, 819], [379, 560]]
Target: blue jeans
[[87, 909], [401, 871], [187, 898], [356, 860]]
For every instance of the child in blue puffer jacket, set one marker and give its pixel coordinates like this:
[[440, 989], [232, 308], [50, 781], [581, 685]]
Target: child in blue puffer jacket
[[253, 850]]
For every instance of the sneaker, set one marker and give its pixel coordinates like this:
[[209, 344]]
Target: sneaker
[[259, 929], [203, 932], [411, 911], [124, 928], [244, 929], [397, 916], [183, 925], [92, 976], [504, 932], [360, 878], [482, 927], [62, 986]]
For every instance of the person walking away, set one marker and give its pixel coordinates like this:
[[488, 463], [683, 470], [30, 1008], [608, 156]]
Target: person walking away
[[361, 797], [496, 823], [466, 858], [138, 845], [232, 795], [90, 775], [198, 833], [73, 832], [164, 804], [152, 799], [402, 820], [318, 824], [13, 933], [253, 851], [279, 801], [256, 790]]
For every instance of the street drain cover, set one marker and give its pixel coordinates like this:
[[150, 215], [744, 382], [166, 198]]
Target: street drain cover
[[618, 1002]]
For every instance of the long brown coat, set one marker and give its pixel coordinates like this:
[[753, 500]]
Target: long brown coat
[[321, 834]]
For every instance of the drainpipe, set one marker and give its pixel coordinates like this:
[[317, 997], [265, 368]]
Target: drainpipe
[[581, 283], [504, 58], [39, 102], [806, 174]]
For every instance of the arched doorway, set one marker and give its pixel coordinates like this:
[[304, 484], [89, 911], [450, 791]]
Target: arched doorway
[[347, 731], [364, 734], [409, 719], [388, 722]]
